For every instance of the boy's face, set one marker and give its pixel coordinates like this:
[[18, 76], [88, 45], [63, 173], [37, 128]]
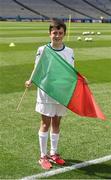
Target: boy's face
[[57, 36]]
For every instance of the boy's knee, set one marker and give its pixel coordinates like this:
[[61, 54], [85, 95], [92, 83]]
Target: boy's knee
[[44, 127], [55, 129]]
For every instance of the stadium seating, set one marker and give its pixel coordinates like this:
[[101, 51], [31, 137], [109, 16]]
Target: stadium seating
[[8, 8], [55, 8], [86, 8], [104, 5]]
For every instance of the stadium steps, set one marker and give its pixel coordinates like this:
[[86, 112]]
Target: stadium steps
[[96, 7], [50, 8], [72, 9], [84, 8], [30, 9]]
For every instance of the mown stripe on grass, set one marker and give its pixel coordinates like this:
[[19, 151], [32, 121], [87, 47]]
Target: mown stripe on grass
[[20, 47], [15, 57], [94, 37], [12, 78], [4, 47], [94, 53], [32, 33], [95, 71], [24, 28], [46, 38], [36, 33], [94, 43], [24, 39]]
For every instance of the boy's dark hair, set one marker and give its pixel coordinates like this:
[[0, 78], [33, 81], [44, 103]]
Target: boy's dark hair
[[57, 23]]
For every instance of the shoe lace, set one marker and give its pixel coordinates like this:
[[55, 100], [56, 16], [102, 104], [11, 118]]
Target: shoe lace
[[56, 156], [44, 158]]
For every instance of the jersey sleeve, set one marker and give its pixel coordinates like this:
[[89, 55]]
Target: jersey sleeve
[[38, 54], [72, 58]]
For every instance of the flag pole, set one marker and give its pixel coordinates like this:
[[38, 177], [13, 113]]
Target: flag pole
[[25, 89], [22, 98], [69, 25]]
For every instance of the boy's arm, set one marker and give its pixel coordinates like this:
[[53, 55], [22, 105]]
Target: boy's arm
[[28, 83]]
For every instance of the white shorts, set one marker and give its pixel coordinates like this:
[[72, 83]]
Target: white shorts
[[51, 110]]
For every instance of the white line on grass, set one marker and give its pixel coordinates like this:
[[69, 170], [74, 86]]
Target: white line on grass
[[68, 168]]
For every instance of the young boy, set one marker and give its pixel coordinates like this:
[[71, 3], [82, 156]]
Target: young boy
[[51, 111]]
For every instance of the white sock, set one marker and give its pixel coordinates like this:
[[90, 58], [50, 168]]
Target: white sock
[[54, 138], [43, 138]]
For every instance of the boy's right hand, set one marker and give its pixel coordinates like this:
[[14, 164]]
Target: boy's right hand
[[28, 84]]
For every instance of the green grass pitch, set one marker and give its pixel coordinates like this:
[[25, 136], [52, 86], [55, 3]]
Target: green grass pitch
[[81, 138]]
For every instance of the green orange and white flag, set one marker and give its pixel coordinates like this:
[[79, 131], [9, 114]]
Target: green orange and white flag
[[63, 83]]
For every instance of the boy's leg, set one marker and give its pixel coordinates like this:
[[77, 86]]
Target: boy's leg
[[43, 138], [45, 123], [43, 134], [54, 134], [54, 138]]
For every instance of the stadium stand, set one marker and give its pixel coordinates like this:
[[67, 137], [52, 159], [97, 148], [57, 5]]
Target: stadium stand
[[104, 5], [10, 9], [99, 5], [47, 9], [87, 8]]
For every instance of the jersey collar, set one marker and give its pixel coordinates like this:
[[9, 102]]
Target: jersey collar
[[49, 45]]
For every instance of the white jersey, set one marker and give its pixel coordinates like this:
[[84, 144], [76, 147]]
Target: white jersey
[[67, 54]]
